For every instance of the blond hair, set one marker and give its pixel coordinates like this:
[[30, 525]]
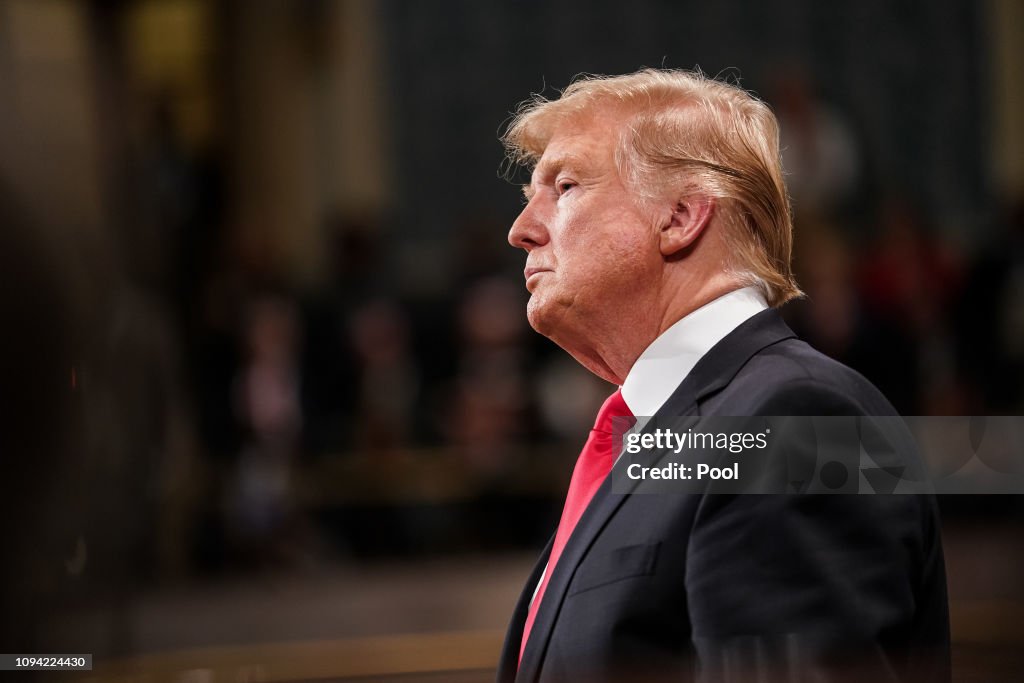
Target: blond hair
[[686, 131]]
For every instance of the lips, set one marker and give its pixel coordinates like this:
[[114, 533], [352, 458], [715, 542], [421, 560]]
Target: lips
[[529, 274]]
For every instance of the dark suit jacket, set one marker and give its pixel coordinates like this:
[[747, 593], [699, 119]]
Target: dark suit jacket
[[745, 587]]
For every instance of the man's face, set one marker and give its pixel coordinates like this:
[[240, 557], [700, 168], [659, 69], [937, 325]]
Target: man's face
[[592, 251]]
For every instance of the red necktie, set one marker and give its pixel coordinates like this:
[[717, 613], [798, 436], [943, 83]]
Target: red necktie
[[592, 467]]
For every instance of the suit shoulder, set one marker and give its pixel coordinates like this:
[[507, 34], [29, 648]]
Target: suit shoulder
[[793, 378]]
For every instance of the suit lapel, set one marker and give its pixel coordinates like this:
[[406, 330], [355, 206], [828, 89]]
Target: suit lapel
[[602, 506], [712, 372], [509, 661]]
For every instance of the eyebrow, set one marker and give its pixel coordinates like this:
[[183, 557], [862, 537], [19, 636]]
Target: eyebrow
[[552, 165]]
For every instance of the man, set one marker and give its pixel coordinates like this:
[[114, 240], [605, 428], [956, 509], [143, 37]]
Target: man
[[658, 235]]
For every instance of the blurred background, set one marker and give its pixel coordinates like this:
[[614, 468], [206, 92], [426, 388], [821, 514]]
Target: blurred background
[[271, 410]]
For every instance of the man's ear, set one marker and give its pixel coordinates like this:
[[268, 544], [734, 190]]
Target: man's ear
[[689, 217]]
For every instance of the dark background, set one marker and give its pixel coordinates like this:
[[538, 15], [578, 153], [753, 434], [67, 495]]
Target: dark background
[[271, 410]]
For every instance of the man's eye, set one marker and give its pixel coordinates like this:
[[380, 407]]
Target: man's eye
[[564, 186]]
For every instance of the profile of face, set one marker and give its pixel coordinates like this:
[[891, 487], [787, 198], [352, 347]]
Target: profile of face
[[592, 247]]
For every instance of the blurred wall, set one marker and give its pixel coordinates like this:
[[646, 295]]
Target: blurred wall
[[50, 150], [305, 124], [1006, 54]]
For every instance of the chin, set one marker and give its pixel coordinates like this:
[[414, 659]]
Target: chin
[[550, 317], [547, 315], [538, 316]]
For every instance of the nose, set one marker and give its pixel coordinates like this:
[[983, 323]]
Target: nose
[[528, 230]]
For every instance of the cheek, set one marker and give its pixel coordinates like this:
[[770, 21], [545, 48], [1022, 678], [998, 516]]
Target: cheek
[[622, 256]]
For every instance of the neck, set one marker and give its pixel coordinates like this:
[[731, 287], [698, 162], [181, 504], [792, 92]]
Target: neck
[[612, 348]]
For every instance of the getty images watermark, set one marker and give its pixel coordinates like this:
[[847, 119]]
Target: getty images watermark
[[862, 455]]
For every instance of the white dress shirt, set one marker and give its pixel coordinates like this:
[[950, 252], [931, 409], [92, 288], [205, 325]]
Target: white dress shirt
[[670, 358]]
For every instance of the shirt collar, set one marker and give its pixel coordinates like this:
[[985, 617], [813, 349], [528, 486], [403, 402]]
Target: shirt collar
[[659, 370]]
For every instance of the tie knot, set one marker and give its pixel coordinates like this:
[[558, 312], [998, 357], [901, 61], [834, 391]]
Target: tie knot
[[614, 406]]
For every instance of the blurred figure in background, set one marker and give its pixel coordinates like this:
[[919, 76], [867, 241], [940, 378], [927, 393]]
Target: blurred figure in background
[[990, 320], [910, 282], [820, 154], [259, 502], [388, 381], [487, 418], [331, 369]]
